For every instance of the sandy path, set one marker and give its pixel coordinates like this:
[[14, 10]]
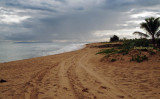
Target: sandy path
[[112, 91], [73, 75], [91, 84], [65, 89]]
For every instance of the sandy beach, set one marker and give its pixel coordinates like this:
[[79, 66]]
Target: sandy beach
[[80, 75]]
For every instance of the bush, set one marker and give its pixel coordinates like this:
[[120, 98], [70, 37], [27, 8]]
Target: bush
[[123, 51], [114, 38], [113, 60], [129, 44], [139, 58], [142, 42], [151, 52]]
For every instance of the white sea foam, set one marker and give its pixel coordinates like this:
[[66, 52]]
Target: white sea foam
[[19, 51], [67, 48]]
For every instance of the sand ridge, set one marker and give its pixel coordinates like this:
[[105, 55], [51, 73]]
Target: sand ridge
[[75, 75]]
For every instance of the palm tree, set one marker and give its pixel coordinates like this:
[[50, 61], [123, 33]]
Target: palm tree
[[151, 26]]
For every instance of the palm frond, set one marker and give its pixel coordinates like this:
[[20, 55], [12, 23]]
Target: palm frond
[[158, 33], [156, 24], [151, 25], [141, 34], [145, 26]]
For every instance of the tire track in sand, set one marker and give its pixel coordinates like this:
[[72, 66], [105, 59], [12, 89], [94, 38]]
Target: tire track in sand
[[104, 82], [37, 82], [71, 78], [65, 90], [87, 84]]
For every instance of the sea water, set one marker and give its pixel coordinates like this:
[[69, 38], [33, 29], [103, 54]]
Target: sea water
[[12, 51]]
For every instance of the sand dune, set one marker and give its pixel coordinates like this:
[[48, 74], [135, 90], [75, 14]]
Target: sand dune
[[79, 75]]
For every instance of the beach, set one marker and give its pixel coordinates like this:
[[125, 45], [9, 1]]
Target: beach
[[80, 74]]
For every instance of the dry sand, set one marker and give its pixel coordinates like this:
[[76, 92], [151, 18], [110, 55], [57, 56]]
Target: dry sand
[[80, 75]]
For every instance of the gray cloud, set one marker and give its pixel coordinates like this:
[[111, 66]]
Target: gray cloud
[[53, 20], [32, 7]]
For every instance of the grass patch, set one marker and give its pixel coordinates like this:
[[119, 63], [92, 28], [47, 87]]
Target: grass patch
[[106, 51], [123, 51], [113, 51]]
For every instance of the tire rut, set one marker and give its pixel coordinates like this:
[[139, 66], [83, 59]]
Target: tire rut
[[32, 87], [65, 85], [104, 83]]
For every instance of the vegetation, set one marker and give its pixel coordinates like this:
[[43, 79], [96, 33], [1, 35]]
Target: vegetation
[[129, 44], [158, 42], [151, 26], [129, 48], [107, 51], [151, 52], [113, 60], [137, 49], [139, 58], [126, 46], [114, 38]]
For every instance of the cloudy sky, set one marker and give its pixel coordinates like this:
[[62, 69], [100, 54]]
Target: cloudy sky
[[72, 20]]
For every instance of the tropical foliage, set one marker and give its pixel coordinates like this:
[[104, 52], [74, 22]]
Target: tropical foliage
[[151, 26]]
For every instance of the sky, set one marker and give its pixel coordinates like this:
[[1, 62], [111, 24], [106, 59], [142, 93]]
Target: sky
[[73, 20]]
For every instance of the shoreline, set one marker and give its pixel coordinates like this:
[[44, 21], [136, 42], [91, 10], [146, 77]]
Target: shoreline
[[79, 74], [60, 51]]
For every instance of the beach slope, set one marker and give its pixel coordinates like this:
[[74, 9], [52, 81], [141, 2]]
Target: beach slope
[[79, 75]]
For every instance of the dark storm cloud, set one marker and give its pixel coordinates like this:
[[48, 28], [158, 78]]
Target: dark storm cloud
[[128, 4], [77, 26], [32, 7], [70, 20], [147, 2]]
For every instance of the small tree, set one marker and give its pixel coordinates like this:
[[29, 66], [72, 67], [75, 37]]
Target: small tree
[[114, 38]]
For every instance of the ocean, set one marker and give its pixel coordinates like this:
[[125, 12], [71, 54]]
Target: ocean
[[12, 51]]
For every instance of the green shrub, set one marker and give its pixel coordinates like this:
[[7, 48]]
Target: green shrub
[[151, 52], [144, 57], [142, 42], [129, 44], [123, 51], [107, 55], [113, 60], [139, 58]]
